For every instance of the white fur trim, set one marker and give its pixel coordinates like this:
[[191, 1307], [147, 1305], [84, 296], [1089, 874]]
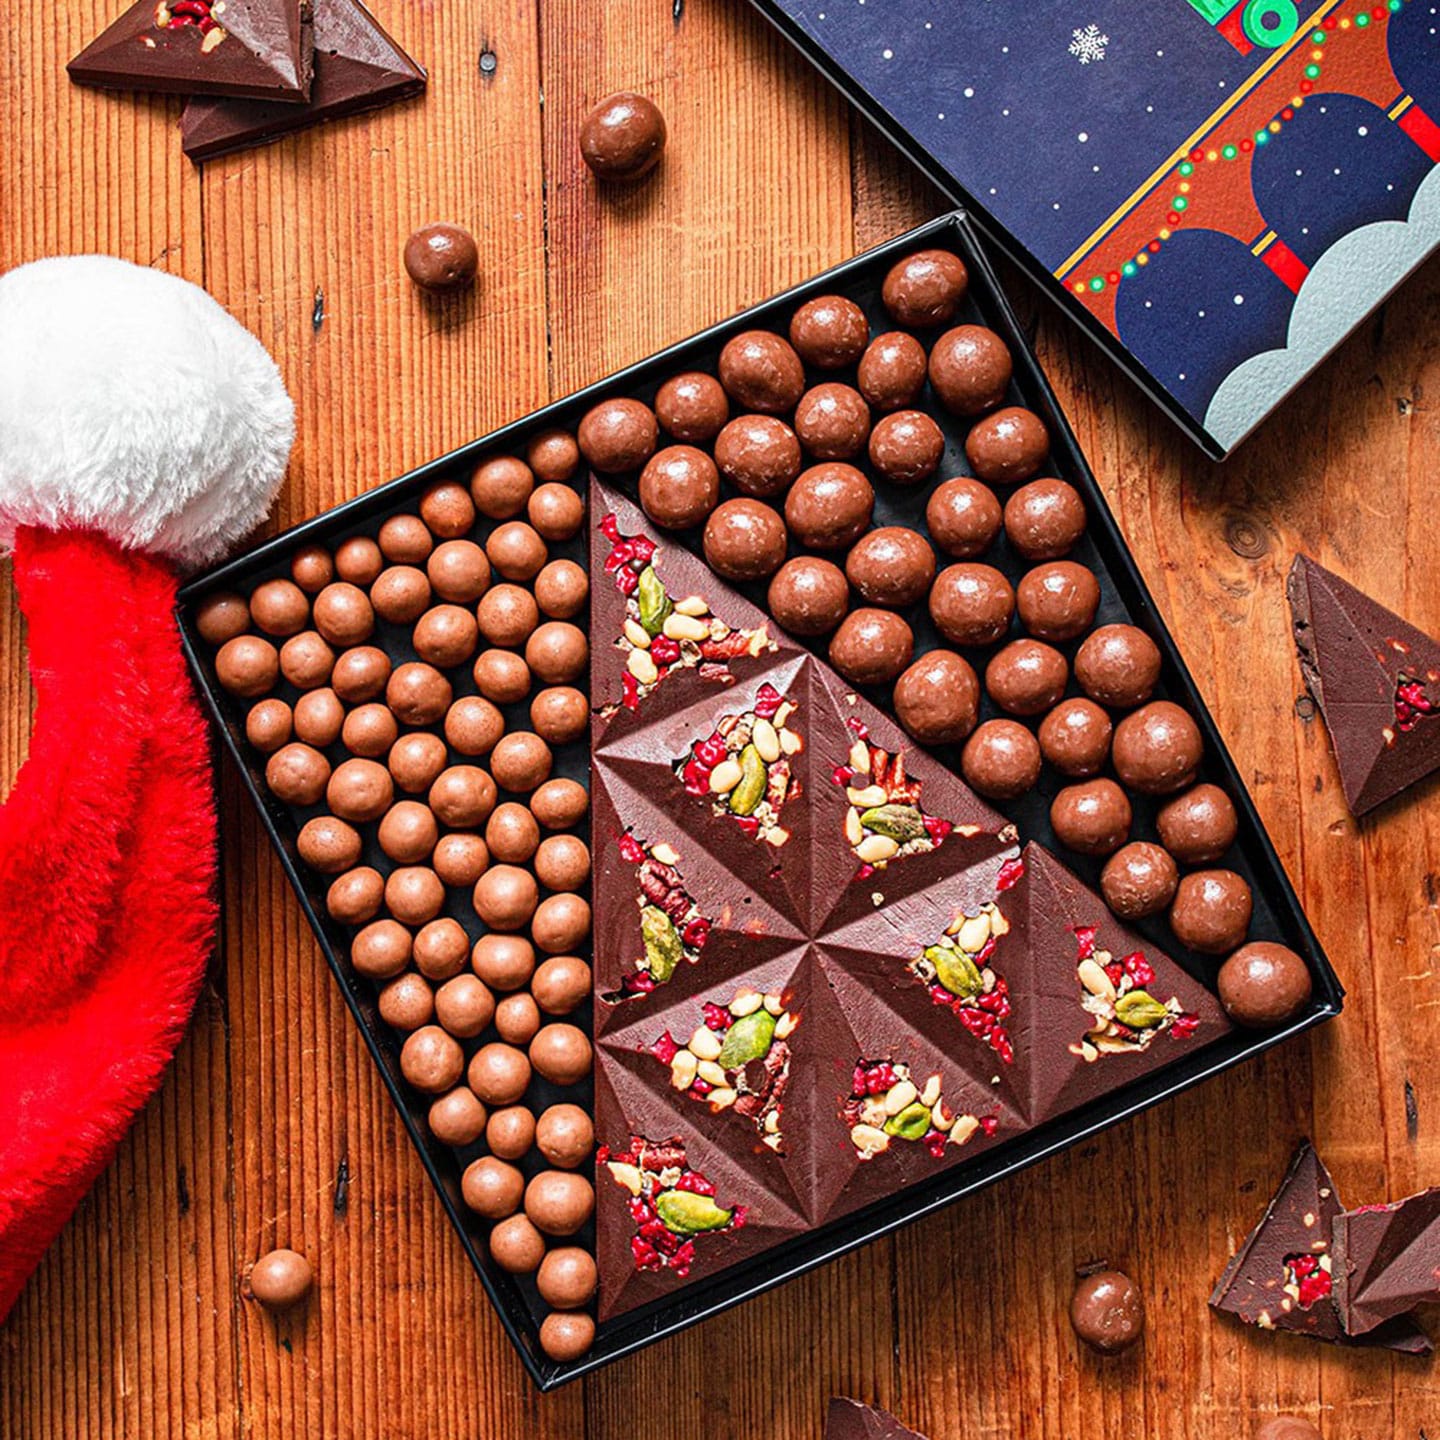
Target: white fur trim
[[130, 402]]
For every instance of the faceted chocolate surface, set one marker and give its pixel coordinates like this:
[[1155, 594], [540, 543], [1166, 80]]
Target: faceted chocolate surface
[[850, 1420], [1387, 1259]]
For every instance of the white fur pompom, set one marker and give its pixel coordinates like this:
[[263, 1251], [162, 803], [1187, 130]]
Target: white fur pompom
[[131, 403]]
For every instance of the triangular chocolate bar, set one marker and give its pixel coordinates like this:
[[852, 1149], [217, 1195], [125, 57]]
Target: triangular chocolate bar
[[253, 49], [850, 1420], [1285, 1275], [357, 67], [1387, 1259], [1376, 680]]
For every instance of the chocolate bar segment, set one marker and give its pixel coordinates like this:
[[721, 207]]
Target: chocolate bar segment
[[1387, 1259], [850, 1420]]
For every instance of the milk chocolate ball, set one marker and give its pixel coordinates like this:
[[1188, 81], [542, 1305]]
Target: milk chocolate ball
[[510, 1132], [502, 677], [457, 1118], [971, 604], [970, 369], [1008, 446], [1264, 984], [416, 760], [566, 1334], [1157, 749], [557, 652], [405, 540], [565, 1135], [829, 506], [358, 561], [499, 1073], [447, 509], [809, 596], [224, 615], [414, 894], [562, 862], [1108, 1311], [1284, 1427], [559, 1202], [829, 332], [1092, 818], [506, 897], [440, 257], [1075, 738], [464, 1006], [511, 834], [520, 762], [462, 796], [1198, 826], [328, 845], [906, 447], [692, 407], [892, 371], [460, 860], [1057, 600], [1001, 760], [247, 666], [1211, 911], [1026, 677], [925, 289], [281, 1279], [356, 896], [507, 614], [360, 790], [963, 517], [561, 589], [560, 804], [556, 512], [473, 725], [501, 486], [679, 487], [516, 551], [560, 984], [553, 455], [343, 614], [407, 1002], [441, 949], [381, 950], [938, 698], [1139, 879], [891, 566], [758, 454], [517, 1018], [1118, 665], [560, 714], [744, 540], [1045, 519], [872, 647], [517, 1246], [623, 137], [431, 1060], [401, 594], [561, 1053], [832, 422], [418, 694], [492, 1188], [618, 436], [360, 674], [297, 774], [567, 1277], [319, 716], [503, 962], [408, 832], [561, 924], [761, 371], [279, 607], [269, 725]]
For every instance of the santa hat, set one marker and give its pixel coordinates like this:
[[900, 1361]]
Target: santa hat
[[142, 432]]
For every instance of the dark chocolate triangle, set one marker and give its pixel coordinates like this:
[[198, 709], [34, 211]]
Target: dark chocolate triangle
[[1356, 656], [253, 49], [1263, 1284], [850, 1420], [357, 67], [1387, 1259]]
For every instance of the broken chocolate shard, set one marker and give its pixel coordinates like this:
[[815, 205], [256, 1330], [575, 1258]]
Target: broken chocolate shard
[[850, 1420], [1376, 679], [1284, 1277], [358, 67], [252, 49], [1386, 1260]]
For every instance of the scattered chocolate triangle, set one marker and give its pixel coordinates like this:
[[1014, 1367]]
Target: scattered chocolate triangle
[[850, 1420], [256, 49], [357, 67], [1387, 1259], [1286, 1276], [1376, 680]]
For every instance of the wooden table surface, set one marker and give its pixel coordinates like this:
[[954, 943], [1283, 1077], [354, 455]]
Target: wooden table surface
[[272, 1127]]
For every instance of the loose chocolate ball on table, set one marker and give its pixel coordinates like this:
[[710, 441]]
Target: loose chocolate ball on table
[[925, 289], [567, 1277], [1045, 519], [561, 589], [502, 676], [457, 1118], [556, 512], [473, 725], [617, 436], [1001, 760], [623, 137], [441, 949], [328, 845], [562, 862], [1157, 748], [401, 594], [418, 693], [510, 1132], [406, 540], [559, 1202], [1118, 665], [343, 614], [503, 962], [247, 666], [565, 1135], [1057, 600], [269, 725], [561, 924], [441, 257], [506, 897], [381, 950], [499, 1073], [447, 508], [415, 762], [501, 486], [461, 795], [464, 1006], [906, 447], [809, 596], [280, 1279], [557, 652], [566, 1334], [892, 371], [279, 607], [761, 371], [560, 984], [493, 1188], [829, 506], [431, 1060], [560, 714], [938, 698], [516, 1245], [297, 774], [407, 1002], [561, 1053], [560, 804], [971, 604], [356, 896], [553, 455], [1287, 1427], [414, 894], [1211, 911], [1092, 818], [1198, 826], [1108, 1311], [1264, 984], [872, 647], [360, 674], [679, 487], [319, 717], [521, 762], [1008, 446], [891, 566], [832, 422], [460, 860], [758, 454], [1075, 738], [829, 332], [224, 615], [744, 540], [516, 551], [1139, 879], [692, 407], [507, 614], [306, 661], [360, 790], [963, 517], [358, 560], [511, 834], [970, 369], [517, 1018]]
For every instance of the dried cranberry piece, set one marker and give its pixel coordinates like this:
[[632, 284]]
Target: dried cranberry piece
[[625, 581], [629, 691], [631, 849], [1009, 876], [696, 1183], [716, 1017], [610, 527], [1085, 940], [696, 933], [664, 650], [664, 1049], [1139, 969], [767, 701]]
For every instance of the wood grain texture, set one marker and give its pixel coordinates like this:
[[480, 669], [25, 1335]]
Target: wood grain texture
[[272, 1127]]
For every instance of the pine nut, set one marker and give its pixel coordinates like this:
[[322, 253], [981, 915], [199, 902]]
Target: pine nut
[[766, 740], [973, 934], [1095, 980], [792, 742], [723, 1098], [685, 627], [867, 797], [963, 1129], [642, 667], [692, 605], [860, 758], [746, 1002], [875, 848], [665, 854], [784, 1025], [725, 777], [637, 634], [931, 1093], [899, 1095], [626, 1175], [710, 1073], [868, 1140], [705, 1043], [682, 1070], [773, 1002], [854, 831]]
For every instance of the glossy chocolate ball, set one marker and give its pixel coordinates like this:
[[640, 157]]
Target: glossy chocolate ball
[[492, 1187], [457, 1118], [1057, 600], [507, 614], [758, 454], [560, 984], [521, 761], [415, 761], [560, 804], [441, 257], [938, 698], [510, 1132], [414, 894], [441, 949], [744, 540], [1157, 748], [405, 540], [407, 1002], [872, 647], [692, 407], [511, 833], [561, 1053], [516, 1245], [560, 714], [247, 666], [1108, 1311], [401, 594], [1198, 826], [381, 950], [562, 862], [1092, 818], [431, 1060], [565, 1135], [503, 962], [829, 506], [501, 486], [1008, 446], [1045, 519], [761, 372], [1027, 677], [1264, 984], [556, 512], [358, 560], [462, 795], [222, 616], [561, 924], [832, 422], [279, 607], [297, 774], [906, 447], [561, 589], [1118, 665], [269, 725], [559, 1202], [281, 1279], [557, 652], [499, 1073], [464, 1006], [356, 896], [1211, 911], [567, 1277], [892, 371], [343, 614], [567, 1334], [408, 832], [891, 566], [360, 674], [809, 596], [502, 676], [963, 517], [970, 369], [1075, 738], [418, 694], [679, 487], [623, 137], [460, 859], [925, 289], [1138, 880], [829, 332], [516, 551], [506, 897], [448, 510], [618, 436], [971, 604]]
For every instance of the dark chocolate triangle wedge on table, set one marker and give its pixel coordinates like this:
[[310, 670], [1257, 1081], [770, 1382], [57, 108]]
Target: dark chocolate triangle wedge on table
[[1386, 1260], [358, 67], [253, 49], [1376, 679], [1285, 1276], [850, 1420]]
